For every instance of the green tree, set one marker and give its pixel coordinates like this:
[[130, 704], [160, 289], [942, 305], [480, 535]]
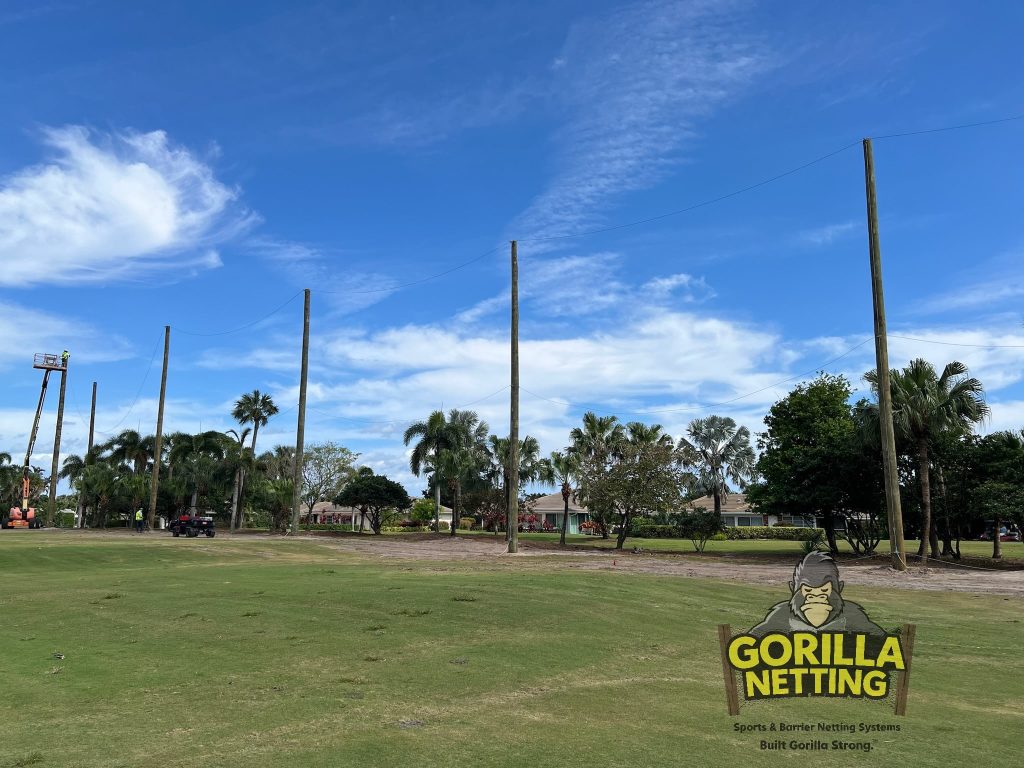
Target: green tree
[[596, 444], [720, 451], [196, 459], [254, 408], [699, 525], [562, 469], [645, 476], [434, 437], [326, 467], [380, 498], [926, 405], [811, 437]]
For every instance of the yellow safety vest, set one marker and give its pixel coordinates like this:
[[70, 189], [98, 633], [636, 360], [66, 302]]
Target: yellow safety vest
[[138, 514]]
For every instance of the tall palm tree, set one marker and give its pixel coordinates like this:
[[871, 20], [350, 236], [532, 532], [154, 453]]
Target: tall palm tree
[[237, 456], [562, 468], [254, 408], [434, 437], [639, 433], [464, 457], [719, 451], [926, 405]]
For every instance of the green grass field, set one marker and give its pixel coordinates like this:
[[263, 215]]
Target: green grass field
[[251, 652]]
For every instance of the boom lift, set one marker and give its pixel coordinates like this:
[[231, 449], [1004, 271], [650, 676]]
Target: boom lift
[[25, 516]]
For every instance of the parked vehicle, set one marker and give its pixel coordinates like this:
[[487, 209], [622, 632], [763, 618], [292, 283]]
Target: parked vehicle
[[192, 526]]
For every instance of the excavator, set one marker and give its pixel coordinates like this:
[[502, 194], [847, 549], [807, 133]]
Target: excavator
[[25, 516]]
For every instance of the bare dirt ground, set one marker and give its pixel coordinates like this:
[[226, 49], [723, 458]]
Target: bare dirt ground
[[942, 578], [440, 549]]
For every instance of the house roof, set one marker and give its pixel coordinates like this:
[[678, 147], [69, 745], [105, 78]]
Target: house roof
[[330, 508], [731, 504], [553, 502]]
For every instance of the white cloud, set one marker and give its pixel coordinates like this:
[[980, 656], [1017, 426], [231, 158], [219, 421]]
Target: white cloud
[[827, 234], [25, 331], [112, 206], [655, 68]]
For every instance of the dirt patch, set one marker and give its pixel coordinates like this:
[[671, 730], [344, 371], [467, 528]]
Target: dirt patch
[[485, 549]]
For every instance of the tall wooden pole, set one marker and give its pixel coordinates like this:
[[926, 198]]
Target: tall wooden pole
[[92, 417], [300, 433], [158, 446], [892, 481], [80, 517], [51, 512], [513, 432]]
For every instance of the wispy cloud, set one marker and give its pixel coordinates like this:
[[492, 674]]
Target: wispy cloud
[[653, 69], [988, 295], [112, 206], [24, 331], [307, 266], [827, 234]]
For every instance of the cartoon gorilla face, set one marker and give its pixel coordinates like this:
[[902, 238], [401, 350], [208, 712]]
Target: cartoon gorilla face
[[816, 590]]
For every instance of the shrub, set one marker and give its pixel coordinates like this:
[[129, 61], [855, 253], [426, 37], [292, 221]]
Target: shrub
[[777, 533], [718, 537], [466, 523], [645, 529]]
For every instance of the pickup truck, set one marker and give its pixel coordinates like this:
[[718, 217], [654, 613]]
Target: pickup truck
[[192, 526]]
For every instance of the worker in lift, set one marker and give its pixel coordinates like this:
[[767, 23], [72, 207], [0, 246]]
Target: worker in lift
[[64, 356]]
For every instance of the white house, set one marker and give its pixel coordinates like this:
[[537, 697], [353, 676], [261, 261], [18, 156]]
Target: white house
[[551, 508], [328, 513], [736, 512]]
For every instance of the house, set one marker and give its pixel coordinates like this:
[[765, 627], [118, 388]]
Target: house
[[551, 508], [736, 513], [328, 513]]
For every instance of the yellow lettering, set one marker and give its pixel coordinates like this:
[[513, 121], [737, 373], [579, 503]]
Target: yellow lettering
[[849, 681], [785, 650], [780, 685], [805, 645], [891, 653], [860, 659], [838, 659], [760, 681], [876, 684], [743, 652]]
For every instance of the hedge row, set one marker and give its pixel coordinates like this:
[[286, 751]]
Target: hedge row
[[781, 533], [644, 530]]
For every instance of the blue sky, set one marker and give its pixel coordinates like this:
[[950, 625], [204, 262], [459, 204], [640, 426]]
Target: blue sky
[[198, 164]]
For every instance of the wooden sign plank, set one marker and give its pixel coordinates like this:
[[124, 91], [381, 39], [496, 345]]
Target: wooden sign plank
[[903, 688], [731, 695]]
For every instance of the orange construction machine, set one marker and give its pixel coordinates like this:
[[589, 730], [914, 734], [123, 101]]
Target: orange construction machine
[[25, 516]]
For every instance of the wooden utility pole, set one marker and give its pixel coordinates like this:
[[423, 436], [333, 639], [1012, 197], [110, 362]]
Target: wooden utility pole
[[300, 434], [51, 512], [92, 416], [513, 432], [92, 432], [892, 480], [158, 446]]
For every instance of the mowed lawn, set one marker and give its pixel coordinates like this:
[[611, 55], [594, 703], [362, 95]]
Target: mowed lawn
[[256, 652]]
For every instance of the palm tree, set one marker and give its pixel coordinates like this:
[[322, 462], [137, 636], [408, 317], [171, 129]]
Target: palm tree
[[73, 469], [647, 434], [720, 451], [98, 483], [926, 405], [531, 465], [237, 457], [434, 437], [562, 468], [598, 442], [197, 456], [254, 408], [464, 457], [132, 449]]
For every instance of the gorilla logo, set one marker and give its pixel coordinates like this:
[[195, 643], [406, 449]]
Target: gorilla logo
[[816, 604]]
